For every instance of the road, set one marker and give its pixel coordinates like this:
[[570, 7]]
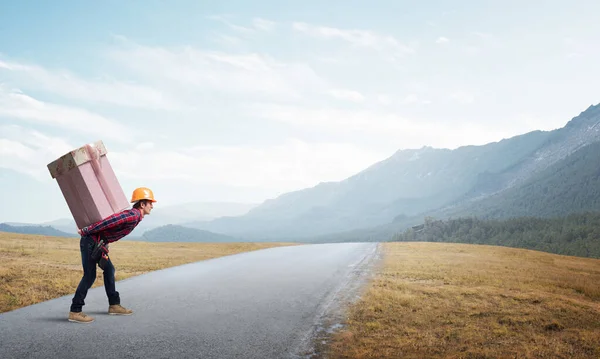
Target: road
[[271, 303]]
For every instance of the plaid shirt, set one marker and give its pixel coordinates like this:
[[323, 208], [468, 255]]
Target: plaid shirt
[[115, 226]]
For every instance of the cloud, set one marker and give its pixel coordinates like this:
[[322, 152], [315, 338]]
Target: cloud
[[223, 19], [276, 168], [349, 95], [17, 105], [282, 167], [442, 40], [392, 99], [384, 99], [578, 48], [414, 99], [336, 120], [66, 84], [462, 97], [385, 126], [29, 151], [192, 73], [483, 35], [258, 24], [385, 44], [227, 40], [263, 24]]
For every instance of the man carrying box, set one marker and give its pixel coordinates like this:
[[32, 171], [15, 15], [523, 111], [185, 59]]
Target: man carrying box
[[110, 229]]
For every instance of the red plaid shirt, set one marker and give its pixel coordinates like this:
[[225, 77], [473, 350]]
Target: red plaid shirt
[[115, 226]]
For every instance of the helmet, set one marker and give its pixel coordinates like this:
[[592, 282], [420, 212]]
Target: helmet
[[142, 193]]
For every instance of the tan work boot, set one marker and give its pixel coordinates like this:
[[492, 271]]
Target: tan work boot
[[118, 310], [80, 317]]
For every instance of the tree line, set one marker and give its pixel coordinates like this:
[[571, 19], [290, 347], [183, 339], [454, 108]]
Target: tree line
[[575, 234]]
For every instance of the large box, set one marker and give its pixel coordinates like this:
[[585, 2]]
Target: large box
[[88, 184]]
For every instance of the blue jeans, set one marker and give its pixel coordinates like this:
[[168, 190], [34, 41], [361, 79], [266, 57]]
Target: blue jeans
[[86, 244]]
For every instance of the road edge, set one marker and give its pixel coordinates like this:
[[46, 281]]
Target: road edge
[[332, 312]]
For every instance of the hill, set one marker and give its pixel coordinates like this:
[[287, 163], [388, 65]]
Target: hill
[[570, 186], [180, 214], [32, 229], [399, 191], [176, 233], [173, 214]]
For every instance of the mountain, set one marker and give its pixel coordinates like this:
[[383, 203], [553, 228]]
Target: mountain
[[175, 233], [570, 186], [32, 229], [63, 224], [160, 216], [398, 191], [191, 211]]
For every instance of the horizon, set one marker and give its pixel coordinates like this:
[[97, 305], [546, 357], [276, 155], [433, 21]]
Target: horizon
[[242, 104]]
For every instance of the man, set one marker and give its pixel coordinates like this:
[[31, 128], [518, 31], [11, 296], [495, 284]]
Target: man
[[110, 229]]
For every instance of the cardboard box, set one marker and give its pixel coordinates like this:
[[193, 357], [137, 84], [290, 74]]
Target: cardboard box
[[88, 184]]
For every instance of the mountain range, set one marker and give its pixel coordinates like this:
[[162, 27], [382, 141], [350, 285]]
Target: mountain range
[[540, 173], [162, 216], [403, 189]]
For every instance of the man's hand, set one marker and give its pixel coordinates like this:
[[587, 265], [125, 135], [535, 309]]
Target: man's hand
[[79, 231]]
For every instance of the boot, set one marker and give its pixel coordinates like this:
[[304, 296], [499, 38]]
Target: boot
[[80, 317], [118, 310]]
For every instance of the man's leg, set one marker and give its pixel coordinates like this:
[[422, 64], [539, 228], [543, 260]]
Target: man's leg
[[114, 300], [109, 284], [87, 280]]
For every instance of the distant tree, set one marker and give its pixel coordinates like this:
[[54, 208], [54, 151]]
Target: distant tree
[[576, 234]]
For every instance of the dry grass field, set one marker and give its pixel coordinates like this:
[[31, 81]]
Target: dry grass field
[[427, 300], [436, 300], [38, 268]]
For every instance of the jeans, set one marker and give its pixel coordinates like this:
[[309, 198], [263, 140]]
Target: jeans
[[86, 244]]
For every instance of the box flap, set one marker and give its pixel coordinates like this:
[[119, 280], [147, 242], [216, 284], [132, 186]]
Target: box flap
[[74, 158]]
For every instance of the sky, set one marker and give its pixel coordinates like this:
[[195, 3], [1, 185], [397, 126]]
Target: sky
[[238, 101]]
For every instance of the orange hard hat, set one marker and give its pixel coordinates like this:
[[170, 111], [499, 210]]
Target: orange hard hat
[[142, 193]]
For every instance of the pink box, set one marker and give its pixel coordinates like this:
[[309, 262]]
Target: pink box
[[88, 184]]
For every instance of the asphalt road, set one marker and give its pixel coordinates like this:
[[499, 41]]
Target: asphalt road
[[270, 303]]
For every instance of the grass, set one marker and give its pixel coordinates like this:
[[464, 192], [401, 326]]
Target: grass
[[440, 300], [37, 268], [427, 300]]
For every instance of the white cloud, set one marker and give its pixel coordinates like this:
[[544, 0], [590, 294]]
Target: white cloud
[[410, 99], [29, 151], [251, 76], [335, 120], [442, 40], [144, 146], [227, 40], [107, 91], [385, 126], [223, 19], [288, 166], [348, 95], [462, 97], [386, 44], [384, 99], [483, 35], [258, 24], [263, 24], [17, 105], [284, 167]]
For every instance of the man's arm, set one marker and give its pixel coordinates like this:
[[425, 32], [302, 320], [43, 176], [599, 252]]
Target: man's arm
[[113, 221]]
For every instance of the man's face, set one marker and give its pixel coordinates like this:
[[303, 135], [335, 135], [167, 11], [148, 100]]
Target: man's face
[[147, 207]]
